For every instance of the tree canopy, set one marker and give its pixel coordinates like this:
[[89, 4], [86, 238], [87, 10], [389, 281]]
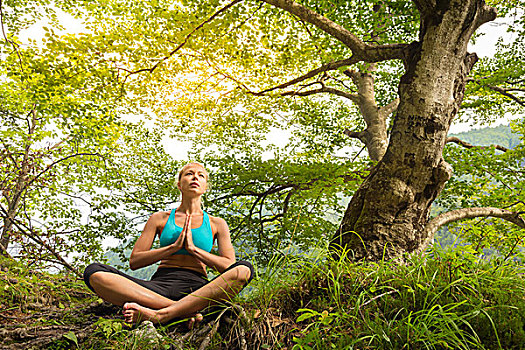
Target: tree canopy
[[361, 93]]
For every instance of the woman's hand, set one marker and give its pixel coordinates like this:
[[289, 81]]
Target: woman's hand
[[188, 244], [181, 241]]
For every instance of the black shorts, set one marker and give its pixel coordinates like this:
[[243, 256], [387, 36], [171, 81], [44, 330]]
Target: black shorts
[[172, 283]]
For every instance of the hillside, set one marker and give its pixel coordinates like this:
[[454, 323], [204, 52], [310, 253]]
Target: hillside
[[448, 300], [498, 135]]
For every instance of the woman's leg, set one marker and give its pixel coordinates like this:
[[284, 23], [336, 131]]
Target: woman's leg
[[118, 288], [222, 288]]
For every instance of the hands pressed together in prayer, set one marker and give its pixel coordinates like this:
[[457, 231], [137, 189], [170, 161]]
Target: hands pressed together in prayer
[[185, 239]]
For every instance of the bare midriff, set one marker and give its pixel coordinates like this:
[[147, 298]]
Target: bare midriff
[[185, 262]]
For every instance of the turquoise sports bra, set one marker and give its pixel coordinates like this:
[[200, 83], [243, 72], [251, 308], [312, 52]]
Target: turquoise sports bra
[[202, 235]]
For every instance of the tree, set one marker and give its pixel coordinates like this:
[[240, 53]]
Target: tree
[[73, 171], [389, 75], [389, 213], [49, 126]]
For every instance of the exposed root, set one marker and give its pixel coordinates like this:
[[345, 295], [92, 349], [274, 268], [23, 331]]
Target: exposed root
[[18, 333], [212, 332]]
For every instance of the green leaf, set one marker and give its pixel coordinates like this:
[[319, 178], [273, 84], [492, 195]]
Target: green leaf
[[71, 336]]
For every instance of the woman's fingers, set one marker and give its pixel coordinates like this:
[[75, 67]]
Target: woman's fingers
[[188, 221], [188, 243]]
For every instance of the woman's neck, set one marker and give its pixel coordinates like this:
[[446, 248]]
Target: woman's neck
[[190, 206]]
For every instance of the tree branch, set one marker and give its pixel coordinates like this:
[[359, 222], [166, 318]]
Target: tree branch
[[468, 145], [389, 108], [515, 89], [50, 166], [470, 213], [360, 135], [15, 46], [10, 154], [321, 22], [505, 92], [28, 233], [275, 188], [486, 14], [424, 7], [360, 50], [324, 68], [181, 45], [353, 97]]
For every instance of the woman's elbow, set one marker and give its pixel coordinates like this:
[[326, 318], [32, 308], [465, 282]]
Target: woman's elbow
[[229, 263], [133, 263]]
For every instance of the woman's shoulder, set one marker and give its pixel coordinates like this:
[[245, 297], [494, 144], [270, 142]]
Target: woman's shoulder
[[160, 215], [216, 219], [217, 222]]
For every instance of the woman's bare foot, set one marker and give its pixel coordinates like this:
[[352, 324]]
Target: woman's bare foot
[[135, 313], [195, 320]]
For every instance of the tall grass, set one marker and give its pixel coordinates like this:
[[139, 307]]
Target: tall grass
[[444, 300], [447, 299]]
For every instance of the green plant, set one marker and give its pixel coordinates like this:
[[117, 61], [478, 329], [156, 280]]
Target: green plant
[[447, 299]]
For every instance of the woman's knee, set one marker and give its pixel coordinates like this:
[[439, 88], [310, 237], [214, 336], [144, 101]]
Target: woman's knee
[[92, 270], [242, 274], [248, 272], [99, 277]]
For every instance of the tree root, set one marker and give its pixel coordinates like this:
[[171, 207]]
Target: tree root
[[232, 323], [212, 332], [34, 335], [38, 337]]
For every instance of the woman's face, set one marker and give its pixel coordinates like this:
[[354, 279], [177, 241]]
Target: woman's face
[[193, 179]]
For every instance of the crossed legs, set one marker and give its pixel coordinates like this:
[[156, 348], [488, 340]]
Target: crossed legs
[[222, 288], [141, 303], [118, 290]]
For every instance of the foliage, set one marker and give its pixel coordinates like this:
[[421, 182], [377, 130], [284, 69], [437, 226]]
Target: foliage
[[450, 299], [74, 169], [485, 177], [71, 145], [202, 83], [196, 72]]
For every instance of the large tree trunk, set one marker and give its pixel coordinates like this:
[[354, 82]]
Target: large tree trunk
[[387, 214]]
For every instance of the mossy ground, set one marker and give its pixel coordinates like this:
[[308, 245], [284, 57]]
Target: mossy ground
[[445, 300]]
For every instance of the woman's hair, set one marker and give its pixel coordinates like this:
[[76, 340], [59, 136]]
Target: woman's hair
[[191, 164]]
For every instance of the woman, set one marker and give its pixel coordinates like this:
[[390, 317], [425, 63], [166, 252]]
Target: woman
[[179, 288]]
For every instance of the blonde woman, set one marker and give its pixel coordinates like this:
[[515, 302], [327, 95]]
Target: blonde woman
[[179, 288]]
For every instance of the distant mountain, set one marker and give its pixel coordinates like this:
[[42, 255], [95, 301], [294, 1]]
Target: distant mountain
[[499, 135]]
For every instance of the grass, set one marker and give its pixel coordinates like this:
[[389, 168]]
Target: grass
[[447, 299]]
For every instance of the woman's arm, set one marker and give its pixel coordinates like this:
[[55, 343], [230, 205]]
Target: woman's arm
[[142, 254], [226, 255]]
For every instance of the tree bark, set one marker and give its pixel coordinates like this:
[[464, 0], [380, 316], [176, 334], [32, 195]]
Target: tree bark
[[375, 135], [388, 214]]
